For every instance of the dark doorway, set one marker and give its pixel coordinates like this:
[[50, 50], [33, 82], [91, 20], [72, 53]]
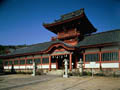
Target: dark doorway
[[60, 63]]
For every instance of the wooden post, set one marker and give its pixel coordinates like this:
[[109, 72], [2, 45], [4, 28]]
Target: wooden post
[[56, 63], [100, 60], [119, 58], [76, 62], [25, 61], [41, 61], [19, 62], [70, 62], [49, 63], [83, 60]]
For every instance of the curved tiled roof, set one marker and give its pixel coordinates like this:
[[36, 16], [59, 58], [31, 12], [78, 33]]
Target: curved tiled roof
[[94, 39], [101, 38], [36, 48]]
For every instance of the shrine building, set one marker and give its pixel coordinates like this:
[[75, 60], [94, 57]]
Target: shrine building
[[76, 39]]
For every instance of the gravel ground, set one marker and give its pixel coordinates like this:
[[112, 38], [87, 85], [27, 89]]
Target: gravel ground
[[58, 83], [8, 82]]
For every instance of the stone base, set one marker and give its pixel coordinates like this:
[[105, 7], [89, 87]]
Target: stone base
[[65, 76], [32, 74]]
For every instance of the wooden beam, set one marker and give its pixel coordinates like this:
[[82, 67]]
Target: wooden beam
[[70, 62]]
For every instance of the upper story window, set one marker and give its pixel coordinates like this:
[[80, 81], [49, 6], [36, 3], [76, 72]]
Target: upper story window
[[45, 60], [92, 57], [16, 62], [37, 61], [22, 62], [29, 61], [110, 56]]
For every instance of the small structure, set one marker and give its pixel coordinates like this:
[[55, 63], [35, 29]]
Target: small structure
[[34, 69], [80, 66], [65, 75]]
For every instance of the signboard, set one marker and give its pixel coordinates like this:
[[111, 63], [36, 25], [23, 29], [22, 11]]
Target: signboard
[[92, 64]]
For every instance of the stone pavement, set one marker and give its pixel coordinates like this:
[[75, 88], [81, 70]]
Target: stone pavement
[[14, 81], [58, 83]]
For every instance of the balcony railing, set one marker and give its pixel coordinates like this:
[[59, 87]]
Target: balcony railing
[[61, 36]]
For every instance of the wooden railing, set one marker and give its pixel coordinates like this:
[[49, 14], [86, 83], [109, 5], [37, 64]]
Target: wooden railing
[[61, 36]]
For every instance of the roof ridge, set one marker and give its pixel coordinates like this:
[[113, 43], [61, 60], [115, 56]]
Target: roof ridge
[[105, 32]]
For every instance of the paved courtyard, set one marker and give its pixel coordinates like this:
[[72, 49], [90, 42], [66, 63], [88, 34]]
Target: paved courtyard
[[49, 82]]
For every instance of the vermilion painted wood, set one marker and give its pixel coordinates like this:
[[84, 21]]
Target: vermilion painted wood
[[49, 63], [65, 21], [119, 58], [70, 62]]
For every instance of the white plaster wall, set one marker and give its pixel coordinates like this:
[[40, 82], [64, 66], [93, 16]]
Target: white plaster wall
[[16, 67], [110, 48], [77, 65], [39, 66], [45, 66], [29, 67], [53, 66], [22, 67], [10, 67], [97, 65], [6, 67], [110, 65], [92, 50]]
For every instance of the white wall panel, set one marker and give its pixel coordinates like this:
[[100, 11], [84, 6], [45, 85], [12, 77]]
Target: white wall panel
[[97, 65], [22, 67], [110, 65], [6, 67], [45, 66], [39, 66], [16, 67], [53, 66], [10, 67], [29, 66]]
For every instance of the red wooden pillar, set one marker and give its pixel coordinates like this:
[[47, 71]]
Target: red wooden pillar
[[25, 61], [70, 62], [56, 63], [33, 58], [119, 58], [76, 61], [41, 61], [84, 60], [19, 62], [100, 60], [49, 63], [33, 61]]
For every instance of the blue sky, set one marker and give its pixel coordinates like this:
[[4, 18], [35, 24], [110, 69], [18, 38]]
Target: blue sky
[[21, 20]]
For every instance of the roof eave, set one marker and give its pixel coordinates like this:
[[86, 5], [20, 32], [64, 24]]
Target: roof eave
[[99, 45]]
